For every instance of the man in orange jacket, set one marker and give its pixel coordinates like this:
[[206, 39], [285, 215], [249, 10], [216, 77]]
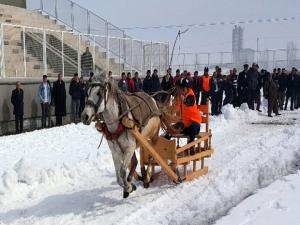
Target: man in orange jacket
[[205, 86], [188, 110]]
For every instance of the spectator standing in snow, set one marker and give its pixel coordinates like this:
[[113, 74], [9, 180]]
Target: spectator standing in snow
[[291, 89], [167, 82], [138, 85], [130, 83], [216, 92], [122, 84], [83, 95], [252, 83], [44, 94], [177, 76], [75, 93], [17, 97], [229, 90], [205, 84], [155, 82], [233, 79], [242, 85], [196, 85], [59, 98], [147, 82], [271, 93], [281, 79], [297, 92]]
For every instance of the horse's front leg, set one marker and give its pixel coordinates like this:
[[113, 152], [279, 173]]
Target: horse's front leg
[[128, 186], [132, 169], [117, 159]]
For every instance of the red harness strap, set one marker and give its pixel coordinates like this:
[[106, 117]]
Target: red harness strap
[[113, 136]]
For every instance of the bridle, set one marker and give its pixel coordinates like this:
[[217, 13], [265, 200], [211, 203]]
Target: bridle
[[93, 104]]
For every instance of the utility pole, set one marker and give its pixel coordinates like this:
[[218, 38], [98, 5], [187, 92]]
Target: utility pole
[[178, 35], [257, 40]]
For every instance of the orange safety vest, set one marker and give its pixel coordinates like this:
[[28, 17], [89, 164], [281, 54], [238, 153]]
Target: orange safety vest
[[189, 114], [206, 81]]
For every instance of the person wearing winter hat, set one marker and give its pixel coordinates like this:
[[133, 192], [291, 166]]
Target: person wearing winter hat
[[188, 111]]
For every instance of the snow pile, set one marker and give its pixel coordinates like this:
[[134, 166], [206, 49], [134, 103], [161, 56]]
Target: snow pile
[[276, 204], [57, 176]]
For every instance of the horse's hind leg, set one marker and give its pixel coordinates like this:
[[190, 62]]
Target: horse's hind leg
[[150, 131]]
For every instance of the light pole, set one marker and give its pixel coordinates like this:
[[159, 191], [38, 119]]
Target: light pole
[[178, 35]]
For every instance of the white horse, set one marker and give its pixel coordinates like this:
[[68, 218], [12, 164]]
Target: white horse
[[103, 100]]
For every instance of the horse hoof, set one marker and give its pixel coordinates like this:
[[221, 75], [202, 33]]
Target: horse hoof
[[146, 185], [125, 194], [133, 187]]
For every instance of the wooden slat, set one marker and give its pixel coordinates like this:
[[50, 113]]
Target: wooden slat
[[189, 145], [197, 156], [147, 147], [198, 173]]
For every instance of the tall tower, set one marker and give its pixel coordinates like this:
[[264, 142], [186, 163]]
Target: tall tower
[[237, 43]]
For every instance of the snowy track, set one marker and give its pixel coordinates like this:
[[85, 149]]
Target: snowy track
[[56, 176]]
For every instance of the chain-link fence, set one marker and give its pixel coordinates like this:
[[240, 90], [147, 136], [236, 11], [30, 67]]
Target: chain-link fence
[[32, 52], [268, 59]]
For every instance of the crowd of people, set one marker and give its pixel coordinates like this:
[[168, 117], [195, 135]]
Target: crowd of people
[[52, 95], [278, 87]]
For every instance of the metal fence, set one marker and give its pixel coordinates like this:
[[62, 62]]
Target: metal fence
[[82, 20], [31, 51], [267, 59]]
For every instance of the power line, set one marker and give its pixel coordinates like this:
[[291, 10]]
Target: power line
[[235, 22]]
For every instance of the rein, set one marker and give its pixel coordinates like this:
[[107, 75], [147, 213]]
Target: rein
[[134, 106], [96, 105]]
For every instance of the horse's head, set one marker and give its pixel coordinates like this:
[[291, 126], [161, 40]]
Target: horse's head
[[97, 99]]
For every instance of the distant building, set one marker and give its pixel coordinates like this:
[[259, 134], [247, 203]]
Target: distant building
[[240, 55], [237, 43]]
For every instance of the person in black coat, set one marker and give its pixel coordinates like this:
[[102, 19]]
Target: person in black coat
[[155, 81], [75, 93], [17, 97], [59, 99], [291, 89], [147, 83], [281, 78], [167, 84], [252, 77], [83, 95], [196, 85], [229, 90], [242, 85], [233, 79], [297, 91], [271, 93], [216, 92]]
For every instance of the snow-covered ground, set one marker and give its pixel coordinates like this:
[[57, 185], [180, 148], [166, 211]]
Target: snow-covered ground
[[58, 176], [277, 204]]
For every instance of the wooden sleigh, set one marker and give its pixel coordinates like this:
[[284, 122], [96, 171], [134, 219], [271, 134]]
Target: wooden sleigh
[[174, 159]]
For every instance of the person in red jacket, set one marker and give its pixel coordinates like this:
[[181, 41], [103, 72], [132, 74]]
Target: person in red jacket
[[130, 83]]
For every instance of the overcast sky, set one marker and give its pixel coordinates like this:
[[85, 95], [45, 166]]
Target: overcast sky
[[132, 13]]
